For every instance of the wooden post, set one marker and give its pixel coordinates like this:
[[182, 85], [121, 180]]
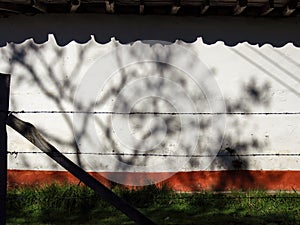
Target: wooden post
[[33, 135], [4, 103]]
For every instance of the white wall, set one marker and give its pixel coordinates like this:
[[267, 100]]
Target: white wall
[[252, 78]]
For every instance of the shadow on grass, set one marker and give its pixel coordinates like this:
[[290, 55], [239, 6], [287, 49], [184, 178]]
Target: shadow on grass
[[71, 204]]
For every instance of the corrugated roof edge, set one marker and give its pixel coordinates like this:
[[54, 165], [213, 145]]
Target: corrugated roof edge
[[130, 28]]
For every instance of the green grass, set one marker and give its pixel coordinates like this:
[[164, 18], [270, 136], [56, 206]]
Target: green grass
[[71, 204]]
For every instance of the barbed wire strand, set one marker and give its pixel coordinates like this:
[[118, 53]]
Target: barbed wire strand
[[148, 112], [161, 155]]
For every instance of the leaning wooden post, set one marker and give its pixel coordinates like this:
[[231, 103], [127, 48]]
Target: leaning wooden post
[[28, 131], [4, 103]]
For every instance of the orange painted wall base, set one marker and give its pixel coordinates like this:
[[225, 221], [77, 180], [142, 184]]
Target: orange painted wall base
[[181, 181]]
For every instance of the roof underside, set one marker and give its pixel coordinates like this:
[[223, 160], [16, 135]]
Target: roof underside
[[269, 8]]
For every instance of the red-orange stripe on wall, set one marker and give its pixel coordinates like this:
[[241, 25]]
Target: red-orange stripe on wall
[[181, 181]]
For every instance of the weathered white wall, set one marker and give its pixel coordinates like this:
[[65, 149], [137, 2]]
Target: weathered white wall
[[251, 78]]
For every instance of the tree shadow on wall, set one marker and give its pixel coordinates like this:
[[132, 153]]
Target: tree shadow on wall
[[150, 133], [238, 145], [32, 68], [232, 167]]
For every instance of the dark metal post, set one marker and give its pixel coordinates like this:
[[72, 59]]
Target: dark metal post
[[4, 103]]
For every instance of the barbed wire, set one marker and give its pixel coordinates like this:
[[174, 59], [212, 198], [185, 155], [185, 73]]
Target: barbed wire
[[147, 112], [161, 155]]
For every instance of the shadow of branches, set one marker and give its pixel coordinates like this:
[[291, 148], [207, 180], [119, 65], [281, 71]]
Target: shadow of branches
[[138, 138]]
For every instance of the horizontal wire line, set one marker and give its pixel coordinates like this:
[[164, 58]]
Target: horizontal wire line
[[159, 155], [149, 113]]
